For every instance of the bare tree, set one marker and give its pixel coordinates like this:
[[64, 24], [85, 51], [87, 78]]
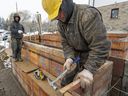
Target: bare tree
[[25, 16], [26, 20], [2, 23], [50, 26]]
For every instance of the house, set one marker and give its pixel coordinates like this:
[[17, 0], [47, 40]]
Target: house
[[115, 16]]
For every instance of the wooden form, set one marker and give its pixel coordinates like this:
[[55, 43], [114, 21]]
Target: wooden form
[[65, 89], [21, 71], [115, 36], [50, 53], [36, 87], [47, 58], [33, 87], [119, 42], [101, 83], [49, 39], [52, 44], [120, 48]]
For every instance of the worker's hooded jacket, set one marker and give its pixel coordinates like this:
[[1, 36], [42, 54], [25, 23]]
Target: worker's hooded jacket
[[14, 27], [85, 35]]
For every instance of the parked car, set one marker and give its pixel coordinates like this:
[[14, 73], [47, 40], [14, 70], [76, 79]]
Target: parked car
[[1, 34], [5, 35]]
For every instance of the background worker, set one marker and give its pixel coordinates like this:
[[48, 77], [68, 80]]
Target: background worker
[[83, 34], [17, 31]]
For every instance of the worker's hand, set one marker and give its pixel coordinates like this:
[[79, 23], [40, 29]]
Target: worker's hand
[[86, 78], [68, 64], [20, 31]]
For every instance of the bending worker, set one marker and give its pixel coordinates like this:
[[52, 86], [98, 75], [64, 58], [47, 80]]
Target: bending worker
[[17, 31], [83, 34]]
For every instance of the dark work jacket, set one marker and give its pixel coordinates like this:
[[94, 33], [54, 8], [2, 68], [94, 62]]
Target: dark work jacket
[[85, 35], [15, 26]]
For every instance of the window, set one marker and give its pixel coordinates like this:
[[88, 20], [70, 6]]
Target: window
[[114, 13]]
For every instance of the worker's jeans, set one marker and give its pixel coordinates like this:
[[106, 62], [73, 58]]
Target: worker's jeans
[[16, 45]]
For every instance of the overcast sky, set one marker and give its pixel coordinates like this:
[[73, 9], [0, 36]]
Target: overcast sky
[[8, 6]]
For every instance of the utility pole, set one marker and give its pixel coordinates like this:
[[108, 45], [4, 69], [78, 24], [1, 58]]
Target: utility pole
[[38, 16], [88, 2], [16, 8], [93, 3]]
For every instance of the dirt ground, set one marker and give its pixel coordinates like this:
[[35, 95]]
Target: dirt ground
[[9, 85]]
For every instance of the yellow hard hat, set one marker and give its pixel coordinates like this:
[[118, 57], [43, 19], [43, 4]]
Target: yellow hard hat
[[52, 7]]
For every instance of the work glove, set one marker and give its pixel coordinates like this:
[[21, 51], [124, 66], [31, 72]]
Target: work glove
[[20, 31], [86, 79], [68, 64]]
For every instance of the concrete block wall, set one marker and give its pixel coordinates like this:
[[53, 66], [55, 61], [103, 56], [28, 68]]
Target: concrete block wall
[[115, 24]]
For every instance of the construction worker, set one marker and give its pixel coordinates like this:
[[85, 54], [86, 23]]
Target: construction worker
[[17, 31], [83, 34]]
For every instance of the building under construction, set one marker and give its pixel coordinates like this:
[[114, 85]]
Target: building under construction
[[43, 54]]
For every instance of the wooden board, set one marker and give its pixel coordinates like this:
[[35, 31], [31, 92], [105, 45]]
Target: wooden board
[[22, 77], [55, 37], [115, 36], [50, 76], [67, 94], [44, 63], [34, 58], [63, 90], [50, 66], [49, 52], [26, 67], [55, 68], [51, 37], [52, 44], [119, 54], [121, 46], [45, 87], [103, 75]]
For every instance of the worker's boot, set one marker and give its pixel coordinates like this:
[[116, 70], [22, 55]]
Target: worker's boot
[[20, 60], [15, 60]]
